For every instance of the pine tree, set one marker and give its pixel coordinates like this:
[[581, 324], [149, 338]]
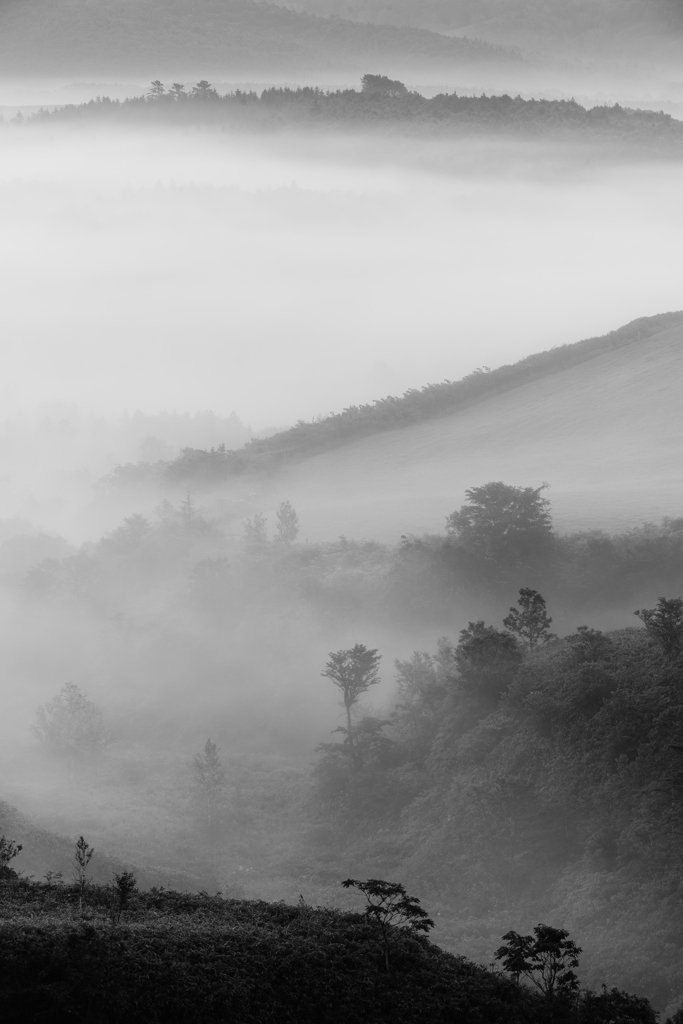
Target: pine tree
[[287, 523]]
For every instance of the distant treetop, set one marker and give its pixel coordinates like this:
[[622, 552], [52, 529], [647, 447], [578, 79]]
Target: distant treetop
[[380, 85]]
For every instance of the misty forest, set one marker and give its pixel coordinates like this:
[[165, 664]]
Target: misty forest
[[341, 518]]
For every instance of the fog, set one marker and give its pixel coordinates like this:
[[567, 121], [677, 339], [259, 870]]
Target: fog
[[187, 287], [285, 278]]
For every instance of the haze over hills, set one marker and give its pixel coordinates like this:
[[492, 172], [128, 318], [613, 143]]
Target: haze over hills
[[635, 26], [41, 38], [606, 434]]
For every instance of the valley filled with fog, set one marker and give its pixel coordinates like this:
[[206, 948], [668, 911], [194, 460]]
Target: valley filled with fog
[[278, 278], [201, 501]]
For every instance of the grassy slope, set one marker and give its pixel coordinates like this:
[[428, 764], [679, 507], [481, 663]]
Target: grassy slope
[[607, 436], [40, 37], [179, 959], [44, 850]]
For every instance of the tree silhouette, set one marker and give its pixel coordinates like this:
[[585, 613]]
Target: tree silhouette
[[287, 523], [501, 522], [665, 624], [380, 85], [203, 90], [547, 958], [8, 851], [353, 672], [487, 659], [82, 857], [189, 515], [529, 621], [70, 725], [255, 531], [389, 905]]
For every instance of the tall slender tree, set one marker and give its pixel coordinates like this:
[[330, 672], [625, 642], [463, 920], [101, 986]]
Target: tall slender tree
[[353, 672]]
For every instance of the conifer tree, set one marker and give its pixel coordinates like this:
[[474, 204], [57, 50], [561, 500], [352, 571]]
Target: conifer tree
[[287, 523]]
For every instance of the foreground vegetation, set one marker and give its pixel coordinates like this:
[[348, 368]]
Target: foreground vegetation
[[113, 953], [524, 769]]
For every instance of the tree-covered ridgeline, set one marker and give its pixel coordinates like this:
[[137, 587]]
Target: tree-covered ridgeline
[[200, 467], [474, 567], [389, 107]]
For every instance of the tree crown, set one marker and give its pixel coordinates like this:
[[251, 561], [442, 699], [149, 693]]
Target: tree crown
[[499, 518], [353, 671], [665, 624], [547, 958], [530, 621]]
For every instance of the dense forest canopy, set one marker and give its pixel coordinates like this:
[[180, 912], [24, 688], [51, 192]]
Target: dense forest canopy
[[446, 114]]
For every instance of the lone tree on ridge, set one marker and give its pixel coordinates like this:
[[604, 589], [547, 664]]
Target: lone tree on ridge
[[388, 904]]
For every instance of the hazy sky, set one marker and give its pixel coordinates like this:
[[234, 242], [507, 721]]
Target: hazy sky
[[285, 279]]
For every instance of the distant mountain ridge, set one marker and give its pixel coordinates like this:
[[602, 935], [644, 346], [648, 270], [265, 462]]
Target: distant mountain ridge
[[557, 24], [47, 37]]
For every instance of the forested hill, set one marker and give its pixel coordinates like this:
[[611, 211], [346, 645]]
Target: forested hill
[[47, 37], [388, 106], [386, 415], [169, 957]]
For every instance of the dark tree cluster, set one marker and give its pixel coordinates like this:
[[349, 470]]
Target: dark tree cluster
[[387, 100], [515, 764]]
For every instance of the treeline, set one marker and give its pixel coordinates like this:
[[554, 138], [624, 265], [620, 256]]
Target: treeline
[[420, 581], [444, 114], [200, 466]]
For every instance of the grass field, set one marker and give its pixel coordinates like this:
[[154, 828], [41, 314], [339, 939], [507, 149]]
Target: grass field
[[607, 436]]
